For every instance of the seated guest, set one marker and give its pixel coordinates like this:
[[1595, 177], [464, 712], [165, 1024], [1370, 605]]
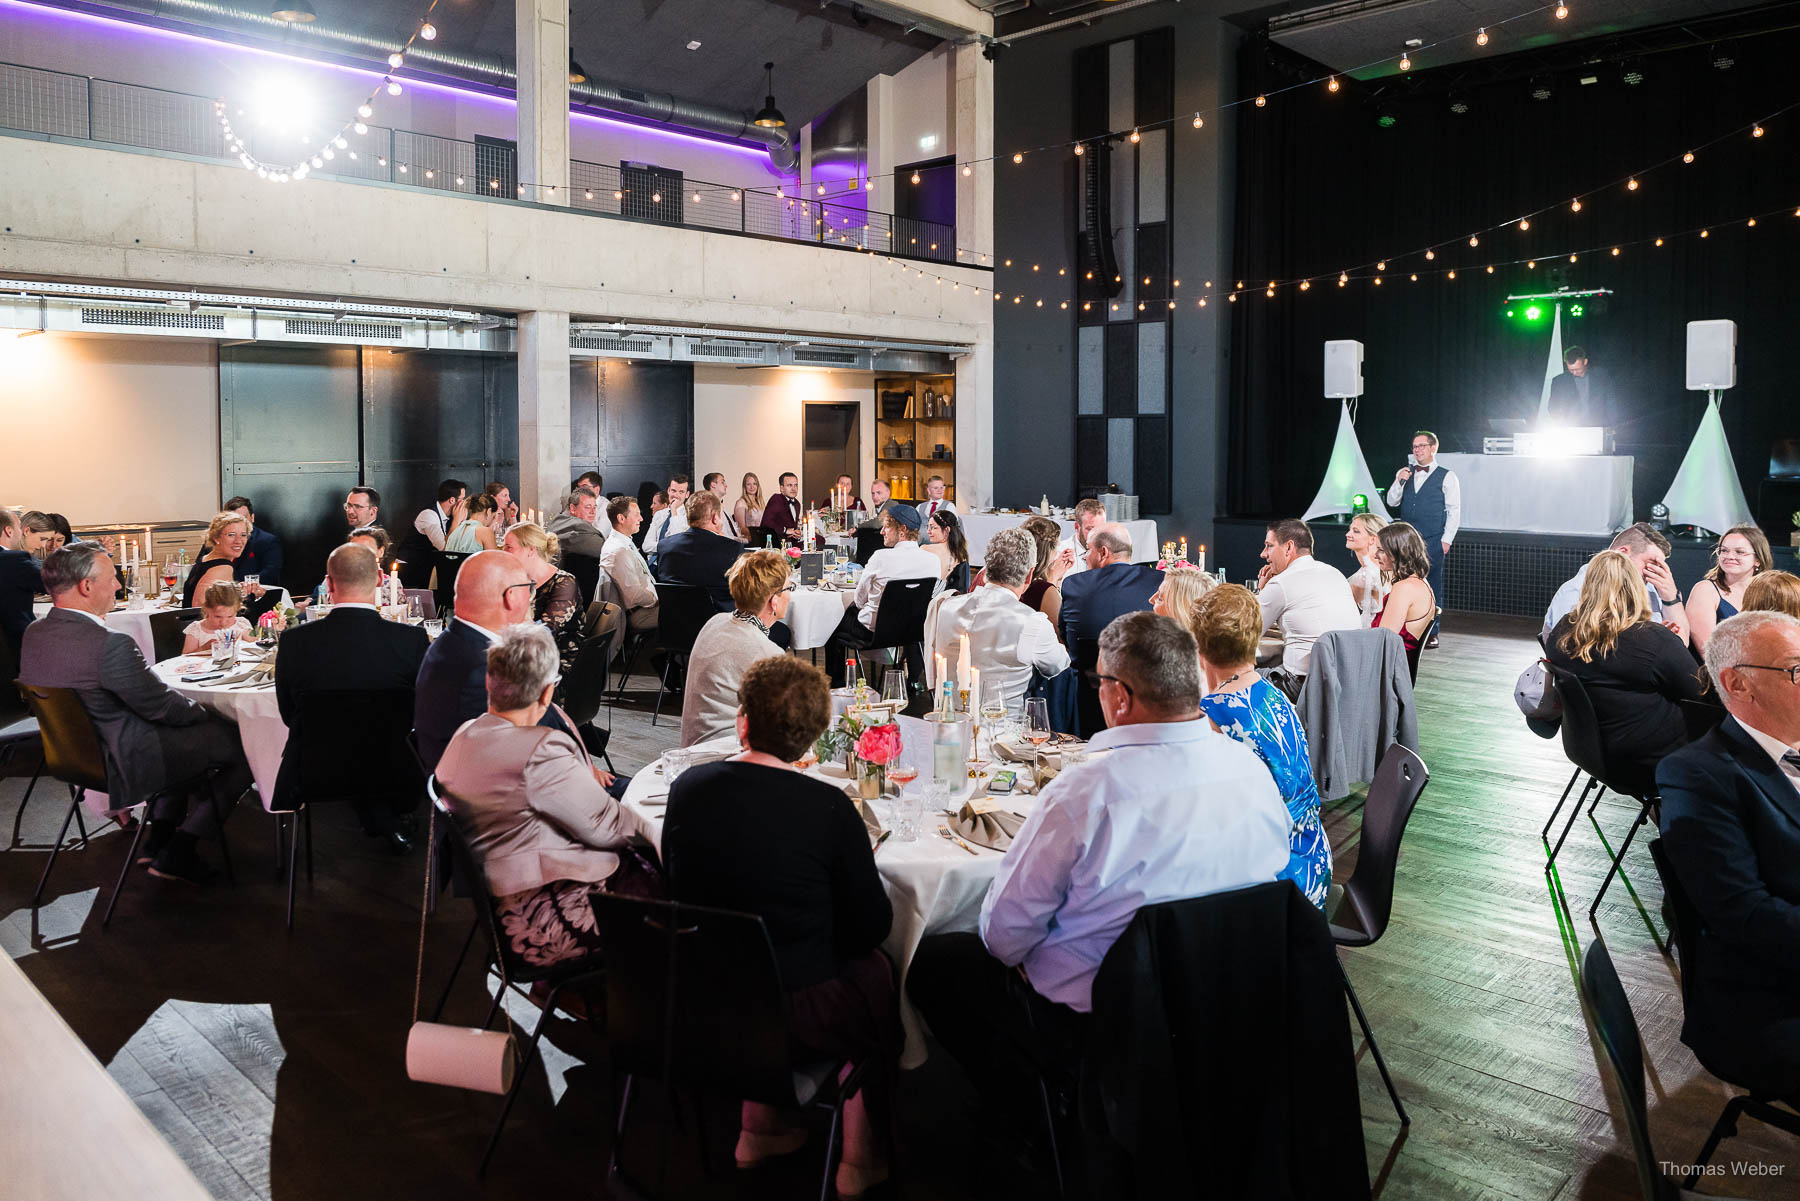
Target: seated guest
[[21, 579], [1110, 586], [1044, 593], [701, 554], [1367, 586], [945, 541], [532, 808], [754, 835], [714, 482], [1741, 555], [1773, 590], [362, 506], [1090, 515], [430, 529], [1409, 608], [479, 528], [223, 608], [1731, 828], [577, 527], [781, 515], [934, 501], [1303, 596], [1647, 547], [590, 479], [226, 538], [555, 597], [1636, 671], [1124, 829], [624, 565], [844, 489], [672, 519], [351, 648], [507, 512], [262, 555], [154, 737], [61, 533], [881, 500], [1227, 625], [730, 642], [375, 540], [1181, 590], [37, 534], [747, 513], [901, 558], [492, 593], [1007, 641]]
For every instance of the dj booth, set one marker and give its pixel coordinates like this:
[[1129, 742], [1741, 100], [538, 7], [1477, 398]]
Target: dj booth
[[1579, 494]]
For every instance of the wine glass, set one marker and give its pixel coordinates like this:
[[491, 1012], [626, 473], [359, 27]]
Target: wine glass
[[168, 576], [415, 613], [893, 686], [1037, 721], [993, 708]]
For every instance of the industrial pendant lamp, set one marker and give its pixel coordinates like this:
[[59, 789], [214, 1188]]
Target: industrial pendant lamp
[[297, 11], [577, 74], [770, 117]]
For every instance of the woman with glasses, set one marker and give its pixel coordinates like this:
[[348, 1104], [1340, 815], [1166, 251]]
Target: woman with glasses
[[536, 813], [1740, 555], [730, 642], [1636, 671]]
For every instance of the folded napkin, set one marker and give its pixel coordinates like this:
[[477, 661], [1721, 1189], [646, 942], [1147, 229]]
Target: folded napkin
[[991, 828], [870, 818]]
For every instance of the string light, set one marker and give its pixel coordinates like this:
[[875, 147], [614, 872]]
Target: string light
[[1481, 38], [1796, 213], [393, 87], [428, 31], [365, 112], [1572, 258], [1616, 249], [1524, 224], [1703, 233], [1575, 205], [1378, 281], [1562, 12], [1405, 62], [1688, 157], [1452, 273], [915, 177], [1331, 85], [1430, 254], [1757, 132], [1474, 240], [1078, 149], [1343, 279], [1017, 159], [1415, 277], [1306, 285], [1203, 302], [1135, 139], [1751, 224], [1531, 265], [1198, 121], [1490, 268], [395, 59], [1631, 185], [1262, 102]]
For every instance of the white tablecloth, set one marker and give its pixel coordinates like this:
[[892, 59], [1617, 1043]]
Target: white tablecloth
[[135, 622], [1584, 494], [935, 886], [813, 614], [979, 527], [260, 728]]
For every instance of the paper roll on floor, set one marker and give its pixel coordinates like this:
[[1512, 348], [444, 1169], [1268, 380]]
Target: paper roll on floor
[[461, 1057]]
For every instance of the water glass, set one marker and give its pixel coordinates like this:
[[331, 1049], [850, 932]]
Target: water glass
[[910, 809], [433, 627], [674, 763], [415, 613], [893, 686], [224, 649]]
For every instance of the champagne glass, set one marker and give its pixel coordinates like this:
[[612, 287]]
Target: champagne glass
[[993, 708], [1037, 721]]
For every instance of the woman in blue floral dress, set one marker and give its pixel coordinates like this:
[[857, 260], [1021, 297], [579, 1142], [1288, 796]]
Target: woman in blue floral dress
[[1227, 623]]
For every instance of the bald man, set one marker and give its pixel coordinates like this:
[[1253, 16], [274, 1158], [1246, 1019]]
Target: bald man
[[1111, 586], [492, 592]]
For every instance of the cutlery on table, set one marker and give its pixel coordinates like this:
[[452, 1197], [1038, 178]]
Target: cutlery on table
[[949, 835]]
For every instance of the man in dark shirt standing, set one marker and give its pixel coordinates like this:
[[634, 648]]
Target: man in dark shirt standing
[[20, 581], [1582, 394]]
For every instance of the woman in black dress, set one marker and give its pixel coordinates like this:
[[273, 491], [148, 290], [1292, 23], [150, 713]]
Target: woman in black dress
[[555, 596], [754, 835], [226, 538]]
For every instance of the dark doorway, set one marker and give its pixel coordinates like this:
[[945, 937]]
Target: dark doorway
[[833, 446], [933, 198]]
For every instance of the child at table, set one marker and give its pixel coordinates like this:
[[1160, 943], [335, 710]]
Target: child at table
[[223, 605]]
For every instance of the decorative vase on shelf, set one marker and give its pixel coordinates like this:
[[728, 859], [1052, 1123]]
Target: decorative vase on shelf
[[892, 449]]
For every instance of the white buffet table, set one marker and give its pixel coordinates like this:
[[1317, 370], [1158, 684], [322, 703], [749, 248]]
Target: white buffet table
[[1582, 494], [979, 527]]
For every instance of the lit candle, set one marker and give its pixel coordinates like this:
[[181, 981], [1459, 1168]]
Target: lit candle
[[1183, 553], [975, 690], [1202, 563], [937, 678], [147, 542], [962, 662]]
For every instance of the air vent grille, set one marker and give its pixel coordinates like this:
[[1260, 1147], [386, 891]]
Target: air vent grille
[[151, 319], [833, 358], [752, 352], [612, 345], [361, 331]]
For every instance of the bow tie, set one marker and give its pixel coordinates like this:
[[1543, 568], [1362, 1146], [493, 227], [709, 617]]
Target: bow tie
[[1792, 759]]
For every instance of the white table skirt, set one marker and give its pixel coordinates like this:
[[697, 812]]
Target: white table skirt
[[934, 885], [260, 728], [979, 527], [813, 615], [1584, 494]]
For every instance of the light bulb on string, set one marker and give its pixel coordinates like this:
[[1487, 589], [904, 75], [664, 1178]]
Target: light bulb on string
[[1377, 281], [1481, 37], [1474, 240], [1757, 132], [1331, 85], [1751, 224], [1453, 273], [1531, 264], [1017, 159], [1203, 302], [1198, 121], [1135, 137], [1524, 224], [1306, 285], [1631, 185], [1270, 292], [1796, 213], [967, 170], [1380, 266], [1688, 157], [1562, 12], [1064, 305], [1430, 254], [1490, 269], [915, 177], [1616, 249], [395, 59], [1343, 278], [1078, 149], [393, 87], [1703, 233], [1405, 62], [1262, 102], [365, 112], [428, 31], [1575, 205]]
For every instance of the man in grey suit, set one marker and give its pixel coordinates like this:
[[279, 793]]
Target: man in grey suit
[[153, 737], [575, 530]]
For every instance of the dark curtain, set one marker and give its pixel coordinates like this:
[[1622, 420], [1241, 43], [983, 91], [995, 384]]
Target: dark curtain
[[1322, 187]]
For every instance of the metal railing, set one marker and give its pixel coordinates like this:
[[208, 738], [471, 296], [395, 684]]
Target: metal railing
[[79, 108]]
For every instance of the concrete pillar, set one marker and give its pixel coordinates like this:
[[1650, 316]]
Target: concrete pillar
[[543, 119], [543, 409], [882, 159], [972, 92], [975, 427]]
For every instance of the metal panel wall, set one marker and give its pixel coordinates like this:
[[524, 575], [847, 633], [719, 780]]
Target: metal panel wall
[[646, 418], [425, 418]]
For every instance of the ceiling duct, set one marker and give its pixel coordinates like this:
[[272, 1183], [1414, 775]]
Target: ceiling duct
[[920, 362], [843, 358], [727, 350], [605, 344], [487, 70]]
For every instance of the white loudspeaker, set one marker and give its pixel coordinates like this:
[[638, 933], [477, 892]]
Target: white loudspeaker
[[1343, 369], [1711, 355]]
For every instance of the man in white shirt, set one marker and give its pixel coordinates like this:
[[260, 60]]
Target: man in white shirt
[[434, 523], [1302, 595], [1165, 808], [728, 526], [1433, 506], [1649, 549], [1090, 514], [902, 558], [671, 520], [1007, 639], [934, 498], [630, 574]]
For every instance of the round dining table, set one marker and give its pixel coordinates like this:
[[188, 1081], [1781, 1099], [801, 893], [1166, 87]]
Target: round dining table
[[814, 613], [136, 621], [936, 885], [247, 699]]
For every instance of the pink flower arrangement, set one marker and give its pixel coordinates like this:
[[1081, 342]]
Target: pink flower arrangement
[[793, 552], [1164, 565], [272, 620], [879, 745]]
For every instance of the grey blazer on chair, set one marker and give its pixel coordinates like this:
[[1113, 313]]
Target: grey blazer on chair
[[1357, 701]]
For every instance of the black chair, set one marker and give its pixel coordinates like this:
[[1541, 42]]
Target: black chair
[[868, 541], [694, 997], [345, 745], [1584, 747], [900, 623], [512, 970], [74, 754], [682, 610], [958, 579], [19, 734], [449, 563], [166, 637], [1617, 1029], [1684, 925], [586, 570], [584, 690], [1089, 719], [1361, 916]]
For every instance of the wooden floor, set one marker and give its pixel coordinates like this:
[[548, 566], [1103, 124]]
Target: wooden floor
[[274, 1065]]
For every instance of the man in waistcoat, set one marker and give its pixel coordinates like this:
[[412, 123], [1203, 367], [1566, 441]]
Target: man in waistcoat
[[1430, 500]]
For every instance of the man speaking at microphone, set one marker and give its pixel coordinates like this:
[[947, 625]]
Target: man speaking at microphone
[[1430, 500]]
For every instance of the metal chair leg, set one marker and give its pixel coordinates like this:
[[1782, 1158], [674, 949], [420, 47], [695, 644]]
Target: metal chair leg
[[1062, 1188], [293, 856], [831, 1136], [224, 846], [124, 870], [20, 815], [1643, 815], [81, 827], [456, 970], [1567, 826], [1722, 1129], [662, 687], [55, 850], [1567, 788], [307, 812], [512, 1094], [1369, 1037], [619, 1127]]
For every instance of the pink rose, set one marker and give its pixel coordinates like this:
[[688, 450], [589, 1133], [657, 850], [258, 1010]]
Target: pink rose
[[879, 745], [793, 552]]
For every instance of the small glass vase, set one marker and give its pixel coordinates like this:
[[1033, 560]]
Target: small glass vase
[[873, 781]]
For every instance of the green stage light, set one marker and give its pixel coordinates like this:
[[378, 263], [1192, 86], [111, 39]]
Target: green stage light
[[1509, 312], [1533, 313], [1576, 310], [1359, 503]]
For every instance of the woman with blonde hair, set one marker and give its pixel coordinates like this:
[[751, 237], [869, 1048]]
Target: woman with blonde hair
[[1363, 539], [1741, 554], [555, 596], [1636, 672], [1777, 590], [748, 512], [730, 642], [1044, 593], [226, 537], [1180, 594], [1227, 624]]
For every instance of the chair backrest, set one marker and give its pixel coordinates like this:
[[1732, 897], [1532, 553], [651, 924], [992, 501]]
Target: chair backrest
[[867, 543], [72, 749], [606, 590], [1369, 892], [601, 618], [1702, 716], [465, 868], [694, 995], [353, 744], [1089, 719], [958, 579], [448, 564], [1580, 725], [1611, 1012], [900, 613], [12, 701], [586, 570], [682, 609], [584, 684], [166, 638], [427, 601], [1684, 919]]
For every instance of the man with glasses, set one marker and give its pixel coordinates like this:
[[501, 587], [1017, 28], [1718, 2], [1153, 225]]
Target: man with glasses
[[1731, 829], [1429, 497], [362, 506], [1164, 808]]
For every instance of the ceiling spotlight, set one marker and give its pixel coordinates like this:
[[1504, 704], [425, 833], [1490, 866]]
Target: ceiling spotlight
[[1458, 105], [297, 11], [1481, 38], [1541, 88], [770, 117], [1385, 117], [577, 73], [1723, 55], [428, 31], [1631, 72]]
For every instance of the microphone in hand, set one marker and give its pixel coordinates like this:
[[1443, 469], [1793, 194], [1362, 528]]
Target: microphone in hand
[[1404, 474]]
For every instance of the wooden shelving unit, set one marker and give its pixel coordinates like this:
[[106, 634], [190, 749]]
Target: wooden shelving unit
[[905, 443]]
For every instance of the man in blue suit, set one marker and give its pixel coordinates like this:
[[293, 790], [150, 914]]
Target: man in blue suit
[[1731, 828], [492, 592], [1111, 586], [262, 554]]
